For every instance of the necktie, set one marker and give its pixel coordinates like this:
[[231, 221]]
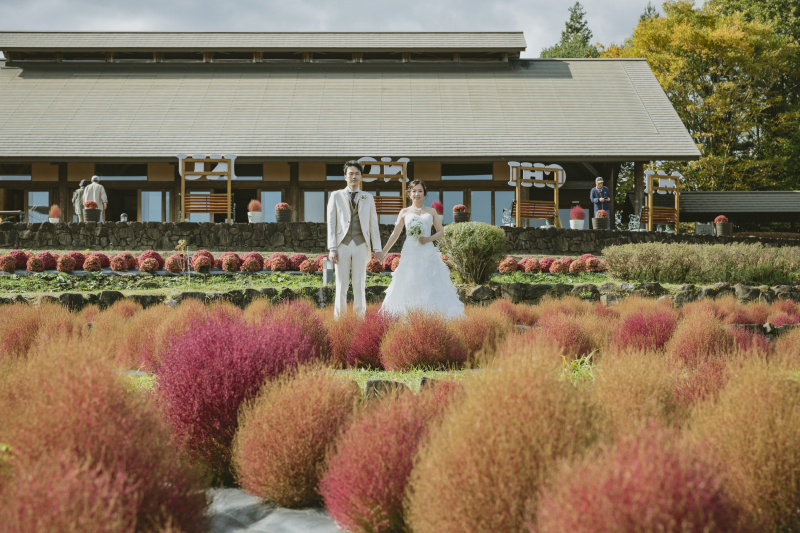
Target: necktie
[[353, 197]]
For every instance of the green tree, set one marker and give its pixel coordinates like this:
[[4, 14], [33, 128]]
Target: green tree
[[724, 75], [650, 12], [575, 39]]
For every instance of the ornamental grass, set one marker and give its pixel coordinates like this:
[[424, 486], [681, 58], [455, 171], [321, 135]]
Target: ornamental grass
[[208, 372], [29, 326], [422, 338], [340, 331], [753, 434], [86, 454], [364, 350], [482, 469], [305, 315], [365, 483], [647, 482], [700, 339], [286, 433]]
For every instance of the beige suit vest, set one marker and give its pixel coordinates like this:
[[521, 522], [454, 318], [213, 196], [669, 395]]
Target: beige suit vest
[[354, 232]]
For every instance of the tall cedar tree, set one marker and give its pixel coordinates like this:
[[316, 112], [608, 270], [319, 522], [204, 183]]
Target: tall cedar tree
[[575, 39]]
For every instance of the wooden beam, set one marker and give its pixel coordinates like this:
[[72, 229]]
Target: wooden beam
[[638, 187], [308, 57], [294, 189], [64, 201], [208, 57], [258, 57], [158, 57]]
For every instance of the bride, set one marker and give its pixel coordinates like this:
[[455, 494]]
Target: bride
[[422, 280]]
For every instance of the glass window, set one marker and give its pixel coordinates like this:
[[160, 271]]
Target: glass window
[[482, 171], [248, 171], [269, 199], [503, 200], [38, 206], [132, 172], [15, 172], [167, 208], [199, 217], [451, 199], [334, 172], [151, 206], [432, 196], [314, 206], [481, 206]]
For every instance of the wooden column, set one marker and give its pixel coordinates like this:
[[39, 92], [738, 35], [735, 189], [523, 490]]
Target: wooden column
[[294, 189], [64, 201], [638, 187], [175, 197]]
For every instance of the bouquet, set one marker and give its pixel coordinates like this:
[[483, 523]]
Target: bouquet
[[415, 228]]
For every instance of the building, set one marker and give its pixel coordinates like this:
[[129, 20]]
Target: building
[[294, 106]]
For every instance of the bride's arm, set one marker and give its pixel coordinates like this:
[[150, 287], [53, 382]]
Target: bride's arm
[[398, 229], [439, 229]]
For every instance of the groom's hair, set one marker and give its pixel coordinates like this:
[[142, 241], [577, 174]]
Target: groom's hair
[[418, 182], [353, 163]]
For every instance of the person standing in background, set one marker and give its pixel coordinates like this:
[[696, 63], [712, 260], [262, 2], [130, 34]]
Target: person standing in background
[[601, 197], [97, 193], [77, 200]]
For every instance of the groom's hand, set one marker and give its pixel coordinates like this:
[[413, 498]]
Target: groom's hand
[[379, 256], [334, 257]]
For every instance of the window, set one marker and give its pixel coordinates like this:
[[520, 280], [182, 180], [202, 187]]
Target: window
[[248, 172], [482, 171], [15, 172], [335, 172], [502, 200], [155, 206], [451, 199], [124, 172], [269, 199], [481, 206], [432, 196], [314, 206], [38, 206]]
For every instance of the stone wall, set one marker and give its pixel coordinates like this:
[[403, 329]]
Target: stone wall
[[307, 237]]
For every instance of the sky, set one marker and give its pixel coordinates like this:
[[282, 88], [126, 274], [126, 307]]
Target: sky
[[540, 20]]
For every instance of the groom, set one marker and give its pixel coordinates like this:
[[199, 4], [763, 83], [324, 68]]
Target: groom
[[352, 231]]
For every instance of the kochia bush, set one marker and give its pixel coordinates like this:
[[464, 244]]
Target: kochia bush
[[576, 267], [421, 339], [474, 248], [645, 330], [532, 266], [20, 258]]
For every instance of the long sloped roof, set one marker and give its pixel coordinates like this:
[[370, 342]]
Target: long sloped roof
[[566, 110], [260, 41]]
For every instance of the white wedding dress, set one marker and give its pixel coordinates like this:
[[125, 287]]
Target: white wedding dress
[[422, 280]]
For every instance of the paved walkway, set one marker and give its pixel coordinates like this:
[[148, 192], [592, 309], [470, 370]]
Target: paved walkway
[[233, 510]]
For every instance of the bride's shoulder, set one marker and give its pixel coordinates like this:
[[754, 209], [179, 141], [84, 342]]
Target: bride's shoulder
[[431, 211]]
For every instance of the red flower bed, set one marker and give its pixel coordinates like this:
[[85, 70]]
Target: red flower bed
[[175, 263], [367, 476], [576, 267], [230, 261], [559, 267], [92, 263], [296, 260], [66, 264], [105, 261], [309, 266], [545, 263], [149, 265], [388, 260], [47, 259], [250, 265], [532, 266], [20, 257], [79, 258], [35, 265], [278, 264], [119, 264], [130, 260], [208, 371], [645, 482], [254, 255], [283, 438], [586, 257], [508, 265], [152, 254], [421, 339], [567, 260], [374, 266], [395, 263], [202, 253]]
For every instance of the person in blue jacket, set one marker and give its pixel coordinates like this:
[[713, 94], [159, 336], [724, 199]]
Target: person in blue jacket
[[601, 197]]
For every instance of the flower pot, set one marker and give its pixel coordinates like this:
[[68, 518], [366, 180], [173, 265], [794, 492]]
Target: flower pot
[[283, 215], [54, 220], [600, 223], [460, 216], [255, 216], [91, 215], [576, 224], [724, 229]]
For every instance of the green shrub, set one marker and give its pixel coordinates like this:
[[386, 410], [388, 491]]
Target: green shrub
[[704, 263], [474, 249]]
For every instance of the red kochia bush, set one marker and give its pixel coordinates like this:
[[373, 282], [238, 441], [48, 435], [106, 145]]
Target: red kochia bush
[[296, 260], [566, 331], [105, 261], [508, 265], [79, 258], [647, 482], [152, 254], [280, 448], [532, 266], [35, 265], [92, 264], [20, 257], [87, 454], [47, 259], [645, 330], [545, 263], [699, 339], [421, 339], [367, 476], [365, 344], [218, 363], [66, 264], [119, 264]]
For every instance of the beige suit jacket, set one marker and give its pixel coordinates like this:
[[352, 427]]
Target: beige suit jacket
[[339, 218]]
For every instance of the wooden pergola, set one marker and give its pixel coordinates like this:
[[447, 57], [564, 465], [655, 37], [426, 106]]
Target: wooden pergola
[[206, 203], [389, 205], [536, 209], [662, 215]]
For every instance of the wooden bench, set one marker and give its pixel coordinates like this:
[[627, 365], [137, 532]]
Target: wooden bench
[[388, 205], [206, 203], [661, 215], [532, 209]]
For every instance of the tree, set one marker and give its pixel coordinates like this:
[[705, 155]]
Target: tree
[[575, 39], [723, 74], [650, 12]]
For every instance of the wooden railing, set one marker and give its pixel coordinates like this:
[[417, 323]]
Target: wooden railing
[[206, 203]]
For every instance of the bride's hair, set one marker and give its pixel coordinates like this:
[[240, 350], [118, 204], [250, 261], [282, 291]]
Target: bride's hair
[[414, 184]]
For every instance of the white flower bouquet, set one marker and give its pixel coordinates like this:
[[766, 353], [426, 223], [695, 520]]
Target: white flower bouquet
[[415, 228]]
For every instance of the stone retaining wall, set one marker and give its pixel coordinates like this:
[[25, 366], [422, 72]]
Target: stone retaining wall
[[307, 237]]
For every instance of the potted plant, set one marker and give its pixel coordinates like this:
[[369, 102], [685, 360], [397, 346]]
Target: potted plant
[[283, 212], [254, 213], [91, 213], [460, 213], [577, 217], [724, 228], [55, 214], [601, 220]]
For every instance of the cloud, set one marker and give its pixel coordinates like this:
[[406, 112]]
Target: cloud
[[541, 20]]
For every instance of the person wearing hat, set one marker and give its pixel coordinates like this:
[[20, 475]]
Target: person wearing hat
[[601, 197], [96, 193], [77, 200]]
